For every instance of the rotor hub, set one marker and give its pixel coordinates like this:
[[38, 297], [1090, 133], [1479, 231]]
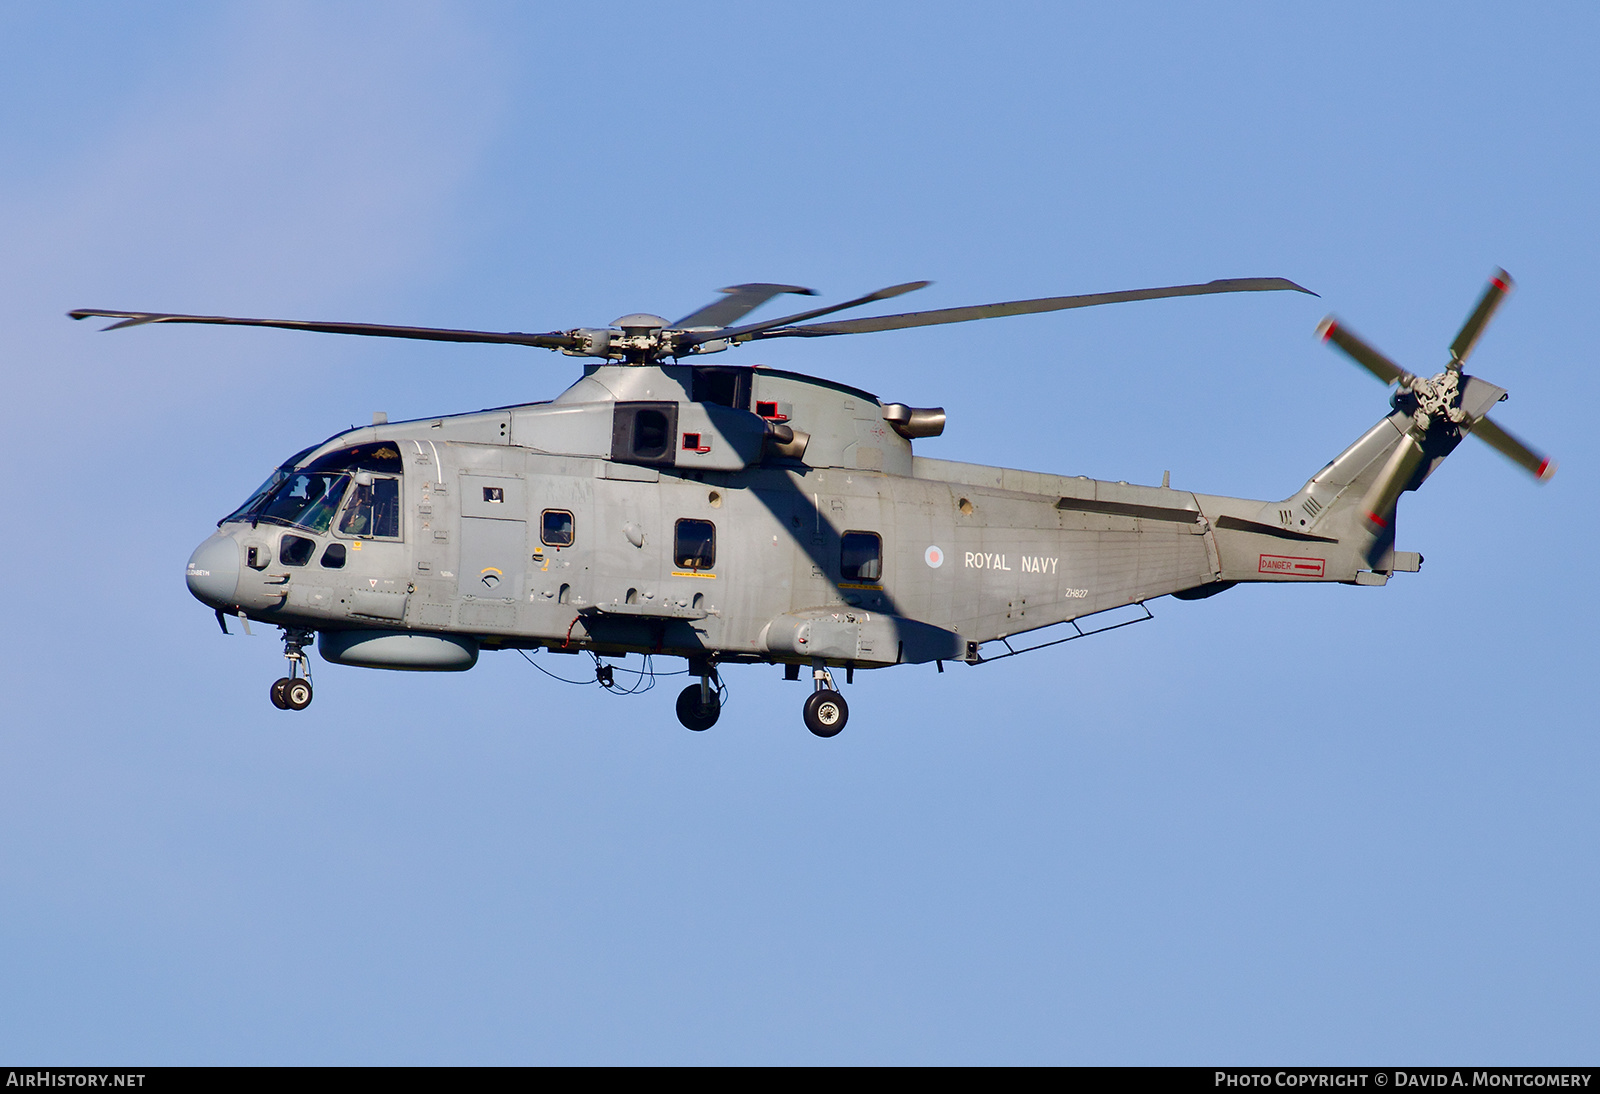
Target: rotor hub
[[1439, 396]]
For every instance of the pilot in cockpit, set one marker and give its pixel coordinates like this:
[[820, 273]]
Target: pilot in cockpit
[[358, 514]]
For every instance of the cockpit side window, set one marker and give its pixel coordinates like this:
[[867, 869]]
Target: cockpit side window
[[373, 510]]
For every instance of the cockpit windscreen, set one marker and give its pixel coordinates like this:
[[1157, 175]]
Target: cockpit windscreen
[[256, 499], [278, 506], [305, 499]]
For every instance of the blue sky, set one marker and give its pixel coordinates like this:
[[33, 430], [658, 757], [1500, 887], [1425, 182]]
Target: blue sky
[[1330, 824]]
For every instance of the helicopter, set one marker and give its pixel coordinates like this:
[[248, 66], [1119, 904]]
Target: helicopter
[[733, 514]]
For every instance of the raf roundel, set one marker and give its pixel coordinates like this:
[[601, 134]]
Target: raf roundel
[[934, 557]]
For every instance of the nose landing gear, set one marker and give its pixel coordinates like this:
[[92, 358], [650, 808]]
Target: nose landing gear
[[825, 711], [293, 692]]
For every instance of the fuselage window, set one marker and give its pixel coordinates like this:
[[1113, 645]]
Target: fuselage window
[[694, 545], [373, 510], [333, 557], [555, 528], [861, 556], [296, 550]]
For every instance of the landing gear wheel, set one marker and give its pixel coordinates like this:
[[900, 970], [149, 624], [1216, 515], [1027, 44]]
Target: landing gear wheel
[[277, 693], [693, 714], [297, 694], [826, 712]]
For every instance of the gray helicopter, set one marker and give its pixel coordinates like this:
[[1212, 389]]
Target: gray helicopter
[[737, 515]]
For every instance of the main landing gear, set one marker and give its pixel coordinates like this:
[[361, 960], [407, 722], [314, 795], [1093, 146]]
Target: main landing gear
[[825, 711], [700, 705], [293, 692]]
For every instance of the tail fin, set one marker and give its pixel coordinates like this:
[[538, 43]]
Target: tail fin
[[1329, 503], [1334, 502]]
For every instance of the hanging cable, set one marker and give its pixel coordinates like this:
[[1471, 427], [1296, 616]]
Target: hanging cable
[[605, 675], [553, 676]]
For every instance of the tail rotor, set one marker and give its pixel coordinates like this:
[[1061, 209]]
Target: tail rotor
[[1444, 408]]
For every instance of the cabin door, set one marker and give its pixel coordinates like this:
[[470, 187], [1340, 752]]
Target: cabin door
[[494, 538]]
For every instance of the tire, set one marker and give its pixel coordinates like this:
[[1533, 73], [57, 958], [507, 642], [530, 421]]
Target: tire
[[826, 712], [277, 693], [692, 714], [297, 694]]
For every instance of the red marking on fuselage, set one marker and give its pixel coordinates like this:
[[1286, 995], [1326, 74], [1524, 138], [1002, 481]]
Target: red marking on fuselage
[[1294, 567]]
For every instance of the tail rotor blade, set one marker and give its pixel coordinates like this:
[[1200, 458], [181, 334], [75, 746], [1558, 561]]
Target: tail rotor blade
[[1499, 285], [1330, 330], [1540, 466], [1377, 508]]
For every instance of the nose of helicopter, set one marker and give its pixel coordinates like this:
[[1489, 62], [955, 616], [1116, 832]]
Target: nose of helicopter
[[213, 572]]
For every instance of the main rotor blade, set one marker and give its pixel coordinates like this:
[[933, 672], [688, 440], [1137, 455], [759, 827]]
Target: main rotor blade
[[1026, 307], [1499, 285], [1542, 467], [740, 301], [1377, 508], [552, 340], [752, 330], [1364, 355]]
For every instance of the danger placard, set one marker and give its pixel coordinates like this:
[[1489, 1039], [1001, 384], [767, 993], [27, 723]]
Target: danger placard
[[1293, 567]]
